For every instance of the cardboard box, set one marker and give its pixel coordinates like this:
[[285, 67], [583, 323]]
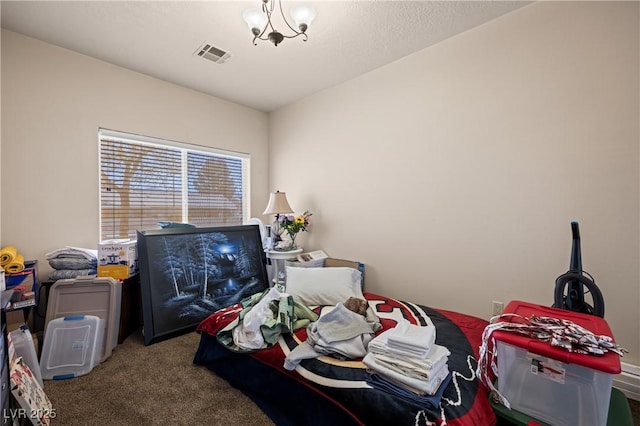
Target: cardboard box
[[15, 319], [117, 258], [24, 287], [550, 384], [317, 263], [331, 262]]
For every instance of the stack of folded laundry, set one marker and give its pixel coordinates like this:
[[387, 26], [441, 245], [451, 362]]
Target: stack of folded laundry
[[406, 361], [71, 262]]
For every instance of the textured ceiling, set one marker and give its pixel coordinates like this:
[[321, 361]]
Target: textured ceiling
[[159, 38]]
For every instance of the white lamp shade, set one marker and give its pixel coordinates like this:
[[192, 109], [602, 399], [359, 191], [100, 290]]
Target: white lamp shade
[[254, 18], [278, 204], [303, 15]]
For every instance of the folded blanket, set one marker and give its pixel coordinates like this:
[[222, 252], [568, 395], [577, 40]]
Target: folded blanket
[[378, 381], [73, 252], [62, 274], [73, 263], [409, 369], [428, 387]]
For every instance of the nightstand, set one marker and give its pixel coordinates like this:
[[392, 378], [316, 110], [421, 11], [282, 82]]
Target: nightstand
[[278, 256]]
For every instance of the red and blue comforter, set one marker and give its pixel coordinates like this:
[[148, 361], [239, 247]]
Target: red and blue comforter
[[325, 390]]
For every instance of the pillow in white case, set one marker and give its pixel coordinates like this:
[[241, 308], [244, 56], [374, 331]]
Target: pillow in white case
[[323, 286]]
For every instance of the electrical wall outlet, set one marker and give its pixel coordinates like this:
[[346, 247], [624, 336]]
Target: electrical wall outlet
[[497, 307]]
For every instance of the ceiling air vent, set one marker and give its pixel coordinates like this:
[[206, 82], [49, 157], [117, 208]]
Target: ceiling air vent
[[212, 53]]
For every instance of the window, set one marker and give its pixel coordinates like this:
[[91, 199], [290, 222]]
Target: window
[[144, 181]]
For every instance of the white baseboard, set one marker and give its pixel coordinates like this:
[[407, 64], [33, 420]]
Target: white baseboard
[[628, 381]]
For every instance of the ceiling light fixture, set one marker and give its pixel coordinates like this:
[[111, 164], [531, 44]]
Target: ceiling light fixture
[[259, 21]]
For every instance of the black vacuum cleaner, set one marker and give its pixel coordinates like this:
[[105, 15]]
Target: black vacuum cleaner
[[572, 286]]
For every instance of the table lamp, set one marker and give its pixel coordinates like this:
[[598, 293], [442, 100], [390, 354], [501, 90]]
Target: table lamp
[[277, 205]]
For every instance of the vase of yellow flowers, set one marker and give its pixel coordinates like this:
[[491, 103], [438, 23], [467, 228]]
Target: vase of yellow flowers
[[292, 225]]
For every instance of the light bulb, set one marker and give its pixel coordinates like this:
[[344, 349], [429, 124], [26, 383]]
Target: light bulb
[[303, 16], [255, 19]]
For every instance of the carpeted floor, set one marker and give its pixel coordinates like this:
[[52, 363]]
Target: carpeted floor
[[158, 385], [151, 385]]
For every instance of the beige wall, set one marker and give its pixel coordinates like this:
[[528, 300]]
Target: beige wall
[[54, 101], [454, 173]]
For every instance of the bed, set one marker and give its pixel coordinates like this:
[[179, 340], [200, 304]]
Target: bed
[[324, 390]]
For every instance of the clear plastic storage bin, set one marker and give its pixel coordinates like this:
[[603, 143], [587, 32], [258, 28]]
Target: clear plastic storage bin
[[100, 297], [71, 346], [551, 384], [23, 345]]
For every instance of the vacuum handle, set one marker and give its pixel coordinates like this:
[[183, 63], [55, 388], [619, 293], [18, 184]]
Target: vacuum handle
[[576, 255], [575, 230]]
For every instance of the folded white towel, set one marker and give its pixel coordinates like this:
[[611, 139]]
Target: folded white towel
[[416, 367], [408, 352], [397, 340], [414, 338], [410, 371], [380, 342]]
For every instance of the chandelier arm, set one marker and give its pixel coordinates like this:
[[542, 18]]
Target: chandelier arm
[[306, 37], [268, 12], [284, 18]]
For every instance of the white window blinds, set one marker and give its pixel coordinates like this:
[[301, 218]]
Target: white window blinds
[[144, 181]]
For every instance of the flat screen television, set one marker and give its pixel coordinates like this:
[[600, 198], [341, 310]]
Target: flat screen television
[[188, 273]]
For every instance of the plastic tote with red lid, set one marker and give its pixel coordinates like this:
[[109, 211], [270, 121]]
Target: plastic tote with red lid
[[550, 383]]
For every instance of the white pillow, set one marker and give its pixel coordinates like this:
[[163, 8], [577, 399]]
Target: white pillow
[[323, 286]]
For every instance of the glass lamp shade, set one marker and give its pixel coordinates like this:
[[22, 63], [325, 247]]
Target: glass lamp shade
[[303, 16], [278, 204], [255, 18]]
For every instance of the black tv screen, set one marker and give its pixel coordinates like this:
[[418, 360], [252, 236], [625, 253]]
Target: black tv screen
[[188, 273]]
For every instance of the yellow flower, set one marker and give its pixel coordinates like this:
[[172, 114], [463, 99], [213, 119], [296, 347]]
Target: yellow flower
[[294, 224]]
